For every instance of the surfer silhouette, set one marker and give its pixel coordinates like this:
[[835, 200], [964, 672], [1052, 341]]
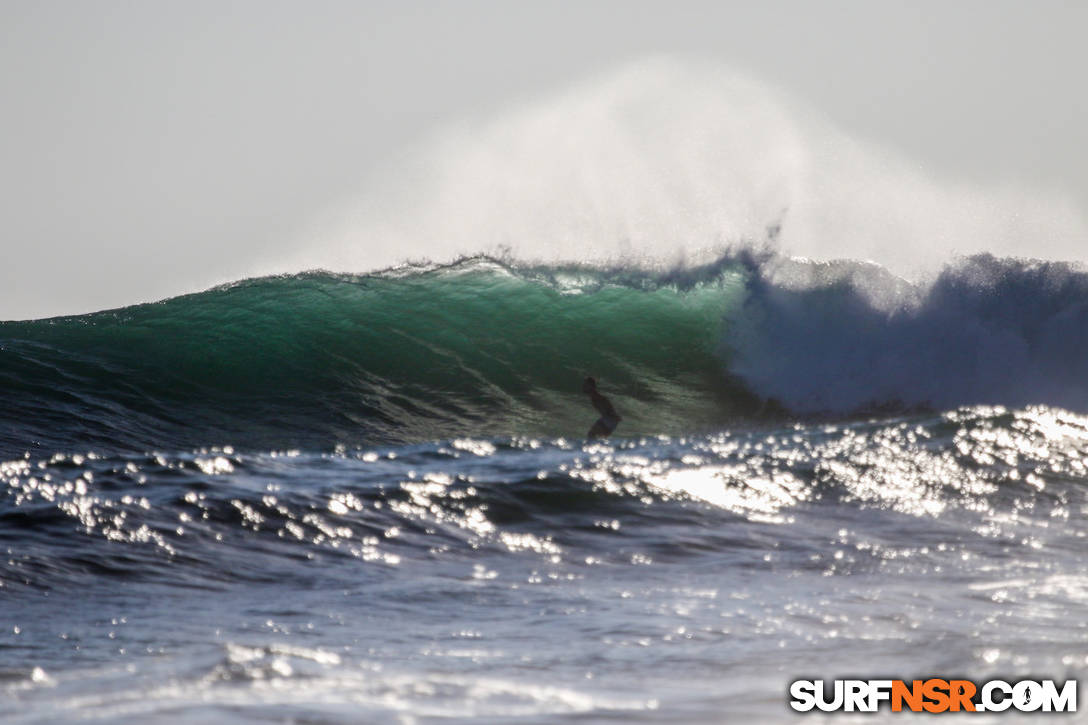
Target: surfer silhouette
[[609, 417]]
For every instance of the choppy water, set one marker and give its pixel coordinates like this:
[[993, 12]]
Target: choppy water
[[334, 499]]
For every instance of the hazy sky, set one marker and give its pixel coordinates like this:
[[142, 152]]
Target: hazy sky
[[154, 148]]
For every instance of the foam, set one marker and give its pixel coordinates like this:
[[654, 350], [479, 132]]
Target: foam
[[844, 336]]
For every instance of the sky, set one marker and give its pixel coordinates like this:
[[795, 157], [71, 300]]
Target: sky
[[150, 149]]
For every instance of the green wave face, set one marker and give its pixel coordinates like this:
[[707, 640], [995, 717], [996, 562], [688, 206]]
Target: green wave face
[[476, 348]]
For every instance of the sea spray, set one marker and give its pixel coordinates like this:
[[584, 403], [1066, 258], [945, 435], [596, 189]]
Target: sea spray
[[668, 159]]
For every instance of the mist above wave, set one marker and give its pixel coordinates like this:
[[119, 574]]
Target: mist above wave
[[664, 161]]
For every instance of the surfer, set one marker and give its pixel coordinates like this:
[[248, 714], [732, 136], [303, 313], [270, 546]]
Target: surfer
[[609, 417]]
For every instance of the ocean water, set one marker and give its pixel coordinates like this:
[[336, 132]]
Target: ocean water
[[330, 498]]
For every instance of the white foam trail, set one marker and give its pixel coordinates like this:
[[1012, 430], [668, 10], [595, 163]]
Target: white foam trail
[[663, 159]]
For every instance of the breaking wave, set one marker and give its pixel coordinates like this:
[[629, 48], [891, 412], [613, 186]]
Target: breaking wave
[[489, 347]]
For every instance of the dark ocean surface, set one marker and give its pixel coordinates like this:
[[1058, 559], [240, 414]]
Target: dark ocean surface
[[332, 498]]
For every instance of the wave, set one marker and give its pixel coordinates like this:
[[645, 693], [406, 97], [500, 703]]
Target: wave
[[480, 347], [490, 347]]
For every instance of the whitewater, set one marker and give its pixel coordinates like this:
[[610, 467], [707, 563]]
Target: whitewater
[[363, 493]]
